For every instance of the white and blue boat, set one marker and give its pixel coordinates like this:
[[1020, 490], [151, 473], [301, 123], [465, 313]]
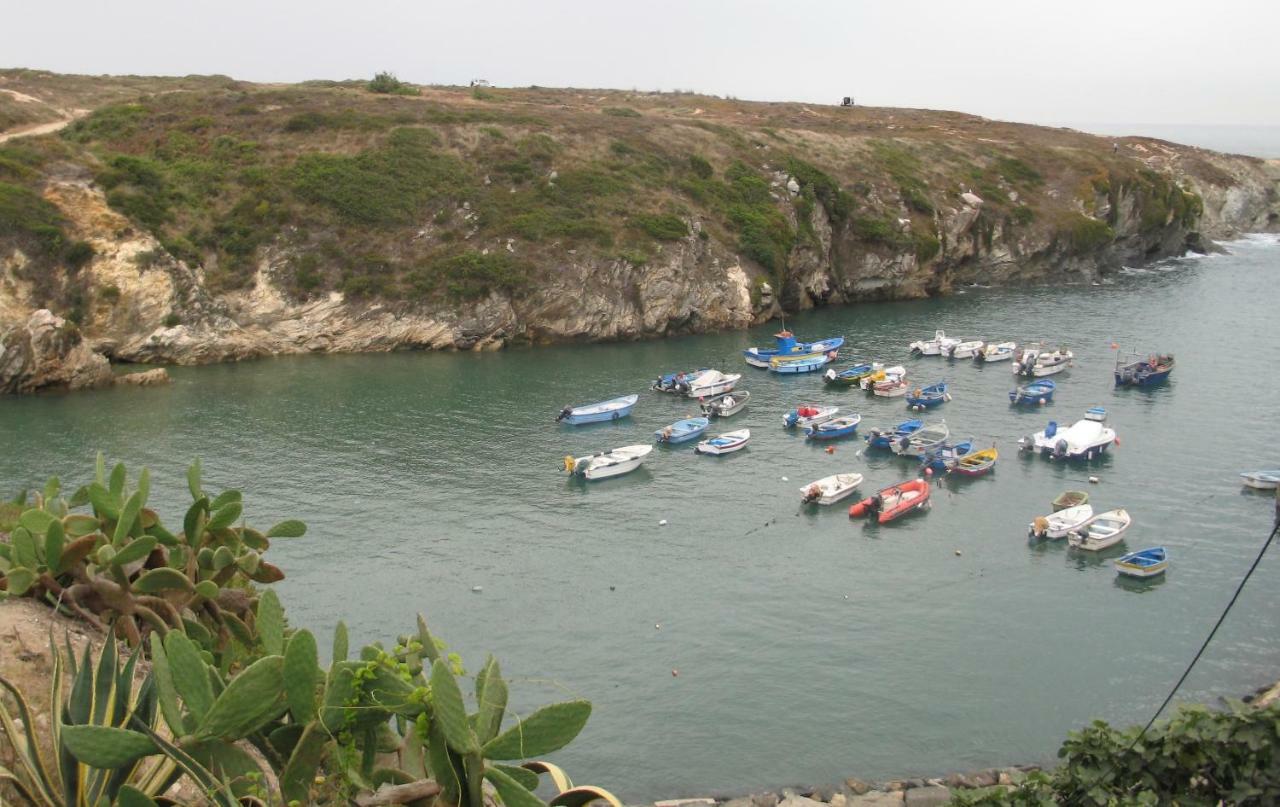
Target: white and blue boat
[[682, 430], [675, 382], [1087, 438], [929, 397], [885, 438], [1143, 372], [1144, 562], [785, 345], [851, 376], [805, 363], [598, 412], [809, 415], [941, 457], [835, 428], [1037, 392]]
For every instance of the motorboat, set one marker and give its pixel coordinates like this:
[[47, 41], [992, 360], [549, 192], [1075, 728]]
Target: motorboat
[[928, 397], [595, 413], [934, 346], [1036, 360], [1144, 562], [1038, 392], [809, 415], [830, 489], [1058, 524], [835, 428], [891, 387], [1086, 439], [1000, 351], [674, 383], [894, 501], [805, 363], [975, 464], [605, 464], [941, 457], [682, 431], [883, 438], [731, 403], [785, 345], [726, 443], [710, 383], [1262, 480], [1100, 532], [882, 374], [919, 443], [1143, 372], [963, 350], [851, 376]]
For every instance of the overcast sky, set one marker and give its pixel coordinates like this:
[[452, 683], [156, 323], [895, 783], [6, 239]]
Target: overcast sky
[[1210, 62]]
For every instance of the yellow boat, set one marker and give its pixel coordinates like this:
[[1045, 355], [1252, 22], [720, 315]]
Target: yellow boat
[[977, 463]]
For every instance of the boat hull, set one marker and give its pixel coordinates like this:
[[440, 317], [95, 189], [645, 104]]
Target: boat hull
[[599, 413], [1261, 481], [834, 429], [725, 443], [1144, 563], [893, 502]]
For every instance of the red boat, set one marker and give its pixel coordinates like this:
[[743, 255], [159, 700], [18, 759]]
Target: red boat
[[894, 501]]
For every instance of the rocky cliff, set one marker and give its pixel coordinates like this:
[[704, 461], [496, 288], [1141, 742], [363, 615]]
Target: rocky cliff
[[207, 225]]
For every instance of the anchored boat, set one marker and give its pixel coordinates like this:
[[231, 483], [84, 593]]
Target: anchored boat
[[710, 383], [1103, 531], [1001, 351], [682, 430], [1144, 562], [893, 502], [1069, 498], [1057, 525], [962, 350], [785, 345], [598, 412], [605, 464], [977, 463], [835, 428], [919, 443], [851, 376], [674, 383], [1143, 372], [806, 363], [1262, 480], [726, 443], [731, 403], [1085, 439], [934, 346], [1037, 392], [884, 438], [928, 397], [830, 489], [1035, 360], [941, 457], [809, 415]]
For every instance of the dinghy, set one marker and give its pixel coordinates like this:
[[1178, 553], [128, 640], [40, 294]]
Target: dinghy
[[597, 412], [835, 428], [977, 463], [1069, 498], [726, 443], [710, 384], [1100, 532], [1084, 439], [1002, 351], [607, 463], [882, 374], [1037, 393], [884, 438], [1143, 372], [673, 383], [731, 403], [1262, 480], [933, 395], [894, 501], [1058, 524], [940, 457], [892, 387], [934, 346], [806, 363], [809, 415], [1144, 562], [785, 344], [1035, 360], [963, 350], [830, 489], [919, 443], [851, 376], [682, 431]]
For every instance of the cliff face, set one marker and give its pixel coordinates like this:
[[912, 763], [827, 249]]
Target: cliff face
[[181, 240]]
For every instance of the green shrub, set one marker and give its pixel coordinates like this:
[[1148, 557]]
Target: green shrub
[[621, 112], [700, 167], [1023, 215], [1018, 172], [915, 199], [114, 122], [109, 293], [927, 247], [386, 83], [27, 215], [877, 230], [78, 253], [1086, 234], [172, 320], [662, 226], [813, 180]]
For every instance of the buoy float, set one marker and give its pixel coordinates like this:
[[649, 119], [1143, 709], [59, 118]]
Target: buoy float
[[477, 588], [1093, 479], [657, 627], [662, 523], [1117, 441], [958, 553], [675, 673], [928, 472], [784, 479], [831, 449]]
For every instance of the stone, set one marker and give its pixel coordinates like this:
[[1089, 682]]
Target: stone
[[877, 798], [147, 378], [971, 199], [799, 801], [986, 778], [959, 780], [929, 796], [685, 803], [856, 786], [793, 187], [838, 800], [48, 352], [744, 801], [765, 799]]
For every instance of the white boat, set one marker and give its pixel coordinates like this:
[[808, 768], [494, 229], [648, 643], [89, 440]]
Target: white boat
[[963, 350], [809, 415], [1102, 531], [1085, 439], [1001, 351], [605, 464], [920, 442], [1144, 562], [892, 387], [934, 346], [710, 384], [726, 443], [731, 403], [1262, 480], [882, 374], [830, 489], [1057, 525], [1035, 360]]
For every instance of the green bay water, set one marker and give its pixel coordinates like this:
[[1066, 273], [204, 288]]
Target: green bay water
[[809, 647]]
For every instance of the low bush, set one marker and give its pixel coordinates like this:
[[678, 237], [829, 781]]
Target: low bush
[[621, 112], [387, 84], [661, 226]]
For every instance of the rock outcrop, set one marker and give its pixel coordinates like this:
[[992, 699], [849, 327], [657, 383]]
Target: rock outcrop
[[47, 352]]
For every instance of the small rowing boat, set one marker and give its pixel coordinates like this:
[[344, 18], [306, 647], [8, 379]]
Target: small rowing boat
[[682, 431], [1037, 392], [1144, 562], [1002, 351], [830, 489], [928, 397], [1058, 524], [726, 443], [1069, 498], [835, 428], [977, 463], [1100, 532], [1262, 480], [598, 412], [884, 438], [809, 415], [851, 376], [731, 403]]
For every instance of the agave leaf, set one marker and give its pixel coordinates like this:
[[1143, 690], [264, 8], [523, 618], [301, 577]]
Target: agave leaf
[[580, 796], [106, 746], [548, 729], [559, 778], [31, 758], [512, 792], [288, 529], [449, 710], [270, 623]]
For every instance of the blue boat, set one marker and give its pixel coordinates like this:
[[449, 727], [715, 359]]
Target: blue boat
[[929, 397], [671, 382], [940, 457], [1145, 372], [834, 429], [1037, 392], [598, 412], [682, 430], [885, 438], [806, 363], [785, 345], [1144, 562], [851, 376]]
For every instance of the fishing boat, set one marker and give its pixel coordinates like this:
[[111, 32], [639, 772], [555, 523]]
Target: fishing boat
[[1262, 480], [835, 428], [1001, 351], [1143, 372], [1057, 525], [607, 463], [962, 350], [884, 438], [806, 363], [1086, 439], [726, 443], [830, 489], [673, 383], [1038, 392], [682, 431], [919, 443], [934, 346], [851, 376], [785, 345], [1144, 562], [940, 457], [1034, 360], [928, 397], [809, 415], [1069, 498], [1100, 532], [709, 384], [975, 464], [893, 502], [882, 374], [595, 413], [731, 403], [892, 387]]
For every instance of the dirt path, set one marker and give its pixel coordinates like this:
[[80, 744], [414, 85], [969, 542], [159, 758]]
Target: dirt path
[[40, 128]]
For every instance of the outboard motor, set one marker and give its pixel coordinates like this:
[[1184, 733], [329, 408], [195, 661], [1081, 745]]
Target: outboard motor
[[1060, 448], [564, 413]]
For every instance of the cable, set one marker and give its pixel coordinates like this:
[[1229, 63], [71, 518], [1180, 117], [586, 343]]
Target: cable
[[1111, 767]]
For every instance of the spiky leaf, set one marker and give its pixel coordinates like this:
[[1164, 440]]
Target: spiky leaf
[[270, 623], [340, 641], [128, 515], [512, 792], [162, 579], [252, 699], [582, 796], [106, 746], [190, 676], [548, 729], [301, 671], [300, 771], [130, 796], [288, 529], [450, 711]]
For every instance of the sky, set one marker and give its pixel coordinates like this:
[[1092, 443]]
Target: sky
[[1077, 63]]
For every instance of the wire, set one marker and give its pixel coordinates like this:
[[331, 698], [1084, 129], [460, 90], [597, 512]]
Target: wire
[[1111, 767]]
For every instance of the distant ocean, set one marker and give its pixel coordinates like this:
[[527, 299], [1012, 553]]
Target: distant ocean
[[1256, 141]]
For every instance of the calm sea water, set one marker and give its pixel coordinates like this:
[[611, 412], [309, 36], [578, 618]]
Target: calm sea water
[[808, 646]]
